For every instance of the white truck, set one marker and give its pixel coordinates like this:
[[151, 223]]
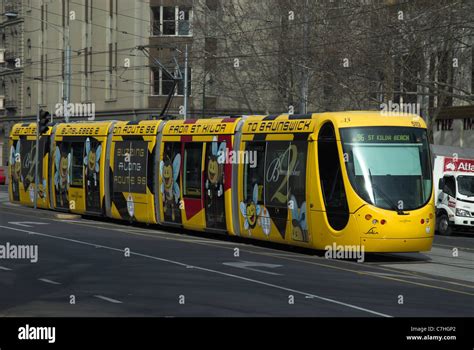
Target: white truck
[[453, 179]]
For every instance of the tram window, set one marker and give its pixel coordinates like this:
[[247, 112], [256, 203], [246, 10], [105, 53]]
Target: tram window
[[277, 162], [77, 158], [297, 170], [254, 170], [27, 157], [192, 170], [332, 185]]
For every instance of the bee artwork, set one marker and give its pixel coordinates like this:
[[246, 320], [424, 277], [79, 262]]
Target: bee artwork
[[92, 170], [62, 176], [42, 190], [250, 211], [170, 191], [15, 169], [215, 216], [299, 222]]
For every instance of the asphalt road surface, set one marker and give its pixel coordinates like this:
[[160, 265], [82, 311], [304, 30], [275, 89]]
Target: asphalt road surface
[[92, 267]]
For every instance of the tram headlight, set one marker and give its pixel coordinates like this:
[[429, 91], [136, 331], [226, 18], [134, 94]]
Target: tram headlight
[[462, 212]]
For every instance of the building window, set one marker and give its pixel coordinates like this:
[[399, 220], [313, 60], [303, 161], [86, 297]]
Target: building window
[[172, 20], [162, 82]]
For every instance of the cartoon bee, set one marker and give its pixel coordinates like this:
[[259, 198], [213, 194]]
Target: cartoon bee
[[62, 161], [42, 190], [92, 158], [92, 168], [91, 162], [250, 211], [215, 169], [299, 222], [15, 169], [169, 172]]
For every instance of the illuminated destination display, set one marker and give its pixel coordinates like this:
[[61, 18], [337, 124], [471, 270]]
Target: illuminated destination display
[[380, 135]]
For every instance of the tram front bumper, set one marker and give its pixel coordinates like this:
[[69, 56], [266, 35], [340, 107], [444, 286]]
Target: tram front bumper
[[401, 245]]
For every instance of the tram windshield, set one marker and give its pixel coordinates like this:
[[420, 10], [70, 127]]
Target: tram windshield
[[389, 167]]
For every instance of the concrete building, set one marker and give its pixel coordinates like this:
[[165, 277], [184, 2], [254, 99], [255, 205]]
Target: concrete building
[[99, 56], [115, 58]]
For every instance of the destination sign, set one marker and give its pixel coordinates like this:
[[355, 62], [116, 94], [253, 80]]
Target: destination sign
[[25, 130], [382, 135], [136, 129], [279, 126], [204, 128], [79, 130]]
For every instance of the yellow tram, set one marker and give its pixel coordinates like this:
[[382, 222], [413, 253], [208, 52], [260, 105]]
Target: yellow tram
[[315, 180]]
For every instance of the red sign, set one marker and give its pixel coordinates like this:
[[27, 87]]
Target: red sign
[[461, 165]]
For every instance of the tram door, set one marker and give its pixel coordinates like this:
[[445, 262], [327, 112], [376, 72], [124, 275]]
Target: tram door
[[193, 182], [214, 178]]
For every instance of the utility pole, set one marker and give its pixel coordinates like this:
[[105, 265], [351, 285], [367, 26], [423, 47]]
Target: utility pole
[[37, 155], [186, 82], [67, 68]]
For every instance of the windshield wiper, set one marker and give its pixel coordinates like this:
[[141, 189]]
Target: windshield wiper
[[387, 198]]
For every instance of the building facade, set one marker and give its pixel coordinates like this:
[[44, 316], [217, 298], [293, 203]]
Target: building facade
[[125, 59]]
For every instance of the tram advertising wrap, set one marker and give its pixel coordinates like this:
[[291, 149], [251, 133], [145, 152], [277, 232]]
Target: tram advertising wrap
[[131, 159], [360, 179]]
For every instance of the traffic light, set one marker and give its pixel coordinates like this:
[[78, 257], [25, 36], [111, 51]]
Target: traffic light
[[43, 121]]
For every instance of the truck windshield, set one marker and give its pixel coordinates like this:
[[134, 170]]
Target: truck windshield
[[466, 185], [388, 167]]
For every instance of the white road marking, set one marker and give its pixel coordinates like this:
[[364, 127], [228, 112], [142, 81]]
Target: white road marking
[[5, 268], [27, 223], [207, 270], [108, 299], [248, 265], [48, 281]]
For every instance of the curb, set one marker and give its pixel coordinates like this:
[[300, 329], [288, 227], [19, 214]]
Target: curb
[[64, 216]]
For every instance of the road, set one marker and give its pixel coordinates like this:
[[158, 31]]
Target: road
[[92, 267]]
